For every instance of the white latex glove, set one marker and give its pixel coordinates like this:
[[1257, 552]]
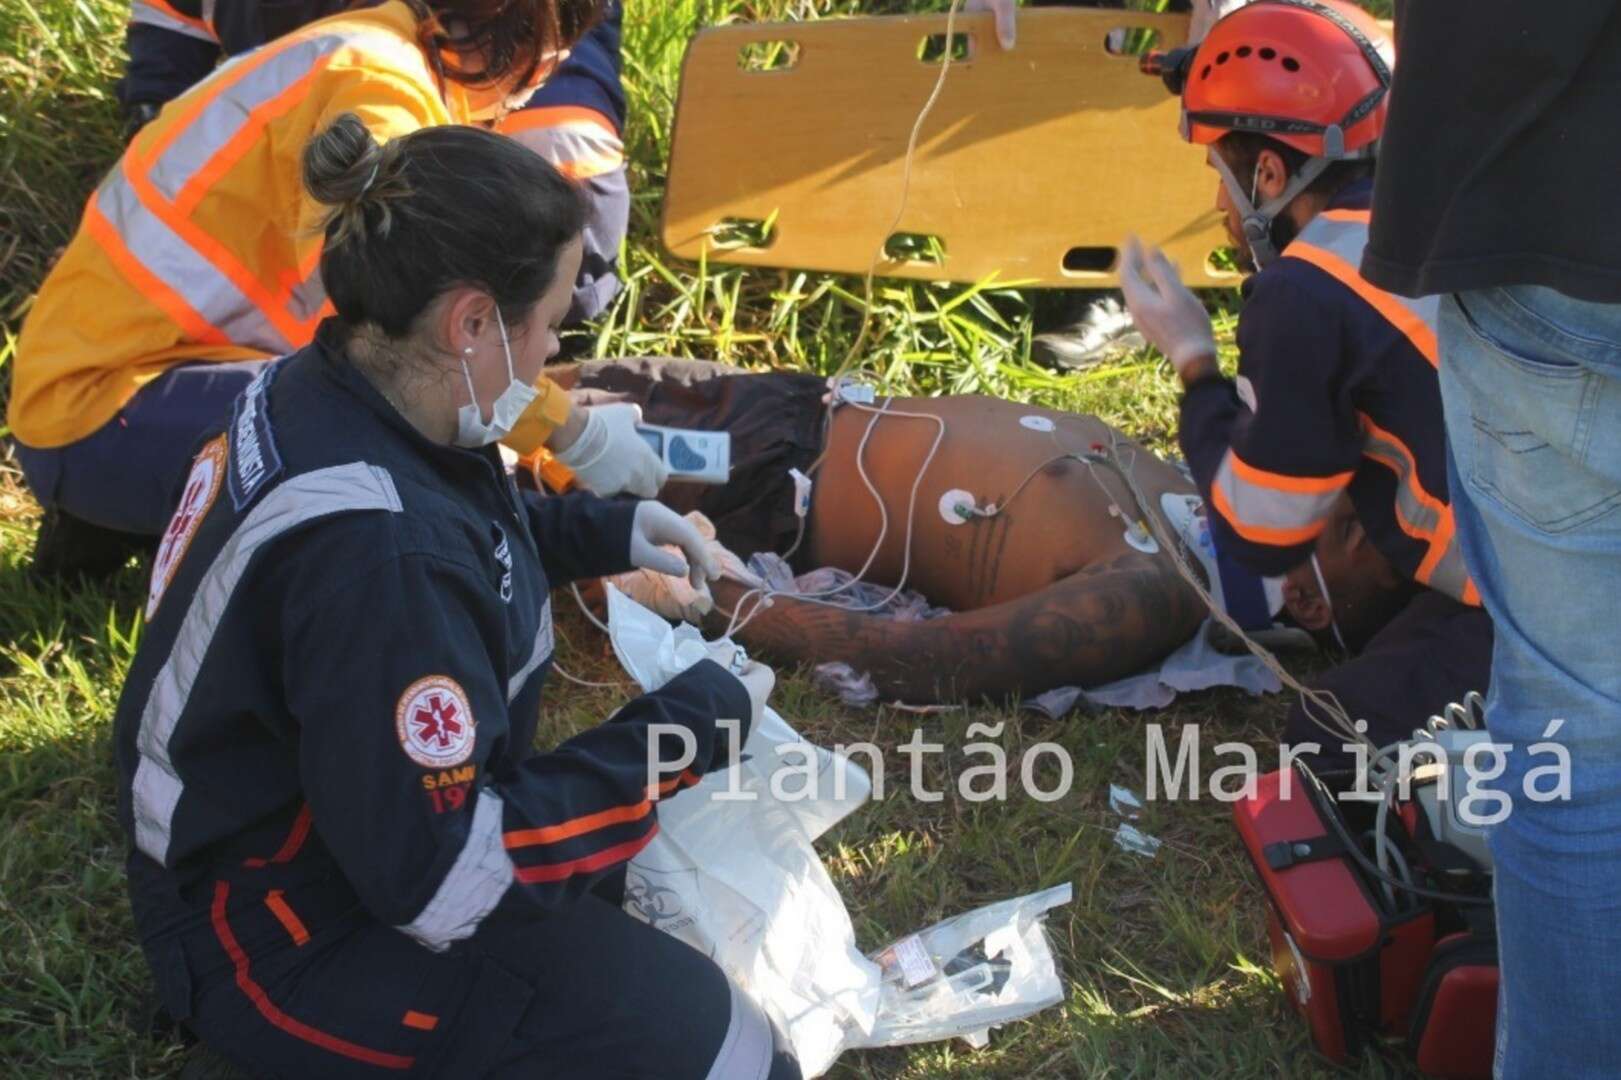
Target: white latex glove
[[609, 457], [670, 595], [673, 596], [1003, 9], [656, 525], [756, 678], [1167, 313]]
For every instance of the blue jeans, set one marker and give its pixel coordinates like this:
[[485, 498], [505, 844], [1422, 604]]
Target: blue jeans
[[126, 475], [1531, 381]]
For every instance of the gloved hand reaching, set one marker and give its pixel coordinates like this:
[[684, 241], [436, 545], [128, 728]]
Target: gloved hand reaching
[[609, 457], [673, 596], [656, 525], [756, 678], [1166, 312]]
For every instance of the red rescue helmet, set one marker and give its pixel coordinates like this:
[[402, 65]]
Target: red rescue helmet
[[1314, 74]]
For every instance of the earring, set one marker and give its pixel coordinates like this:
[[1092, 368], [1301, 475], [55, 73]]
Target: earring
[[467, 350]]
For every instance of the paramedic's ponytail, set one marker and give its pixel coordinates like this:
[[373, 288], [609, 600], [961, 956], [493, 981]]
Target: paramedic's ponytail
[[439, 207]]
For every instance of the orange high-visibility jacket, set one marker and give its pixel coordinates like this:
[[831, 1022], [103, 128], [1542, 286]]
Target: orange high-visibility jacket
[[201, 243]]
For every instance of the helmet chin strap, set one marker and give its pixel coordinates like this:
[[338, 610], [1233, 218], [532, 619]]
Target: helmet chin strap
[[1257, 221]]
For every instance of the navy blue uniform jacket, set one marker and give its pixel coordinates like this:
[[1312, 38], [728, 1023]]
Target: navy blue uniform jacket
[[338, 689]]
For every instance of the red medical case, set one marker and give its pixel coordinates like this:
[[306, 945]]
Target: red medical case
[[1352, 966], [1452, 1034]]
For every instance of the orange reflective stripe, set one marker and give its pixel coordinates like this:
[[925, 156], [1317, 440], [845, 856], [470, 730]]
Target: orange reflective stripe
[[1261, 534], [540, 875], [246, 135], [551, 834], [191, 105], [420, 1021], [582, 143], [217, 255], [287, 917], [1356, 217], [686, 779], [1293, 485], [554, 116], [586, 169], [143, 155], [191, 322], [174, 13], [1442, 566], [1416, 330]]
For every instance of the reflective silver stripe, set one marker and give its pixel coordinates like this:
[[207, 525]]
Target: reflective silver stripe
[[1346, 240], [745, 1052], [252, 79], [1449, 575], [243, 84], [151, 16], [582, 148], [308, 296], [1420, 515], [1268, 508], [480, 876], [541, 653], [158, 787], [177, 264]]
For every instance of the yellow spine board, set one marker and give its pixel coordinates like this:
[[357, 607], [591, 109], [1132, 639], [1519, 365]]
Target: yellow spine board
[[1031, 159]]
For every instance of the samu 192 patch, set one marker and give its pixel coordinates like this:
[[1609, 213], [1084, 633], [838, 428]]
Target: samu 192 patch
[[434, 722], [202, 488]]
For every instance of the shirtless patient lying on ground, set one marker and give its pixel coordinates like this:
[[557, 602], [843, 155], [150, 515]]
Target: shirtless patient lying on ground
[[1046, 593]]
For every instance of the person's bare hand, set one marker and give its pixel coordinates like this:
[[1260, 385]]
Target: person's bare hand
[[1004, 12]]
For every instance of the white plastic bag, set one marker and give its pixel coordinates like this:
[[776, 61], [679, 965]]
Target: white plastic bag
[[968, 974], [733, 871]]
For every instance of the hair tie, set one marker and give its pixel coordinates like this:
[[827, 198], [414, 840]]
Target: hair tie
[[369, 180]]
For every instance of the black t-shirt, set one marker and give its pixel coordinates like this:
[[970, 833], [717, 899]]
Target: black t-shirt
[[1501, 161]]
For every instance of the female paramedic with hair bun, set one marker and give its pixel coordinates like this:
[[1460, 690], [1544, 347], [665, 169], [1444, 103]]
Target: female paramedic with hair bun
[[197, 258], [347, 859]]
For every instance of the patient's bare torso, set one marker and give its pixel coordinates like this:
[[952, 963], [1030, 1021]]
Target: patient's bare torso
[[1058, 524]]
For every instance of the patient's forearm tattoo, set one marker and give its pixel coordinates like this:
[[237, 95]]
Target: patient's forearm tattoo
[[1097, 625]]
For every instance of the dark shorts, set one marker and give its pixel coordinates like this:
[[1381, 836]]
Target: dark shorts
[[777, 421], [1433, 652]]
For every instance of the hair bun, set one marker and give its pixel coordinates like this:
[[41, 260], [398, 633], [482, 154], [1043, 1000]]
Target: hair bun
[[341, 161], [345, 169]]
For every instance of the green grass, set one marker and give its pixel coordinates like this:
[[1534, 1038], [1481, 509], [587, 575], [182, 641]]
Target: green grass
[[1165, 960]]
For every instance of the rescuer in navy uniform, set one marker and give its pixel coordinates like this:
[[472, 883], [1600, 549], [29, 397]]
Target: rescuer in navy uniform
[[347, 858]]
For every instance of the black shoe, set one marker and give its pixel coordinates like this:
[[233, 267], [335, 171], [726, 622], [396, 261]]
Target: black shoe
[[67, 546]]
